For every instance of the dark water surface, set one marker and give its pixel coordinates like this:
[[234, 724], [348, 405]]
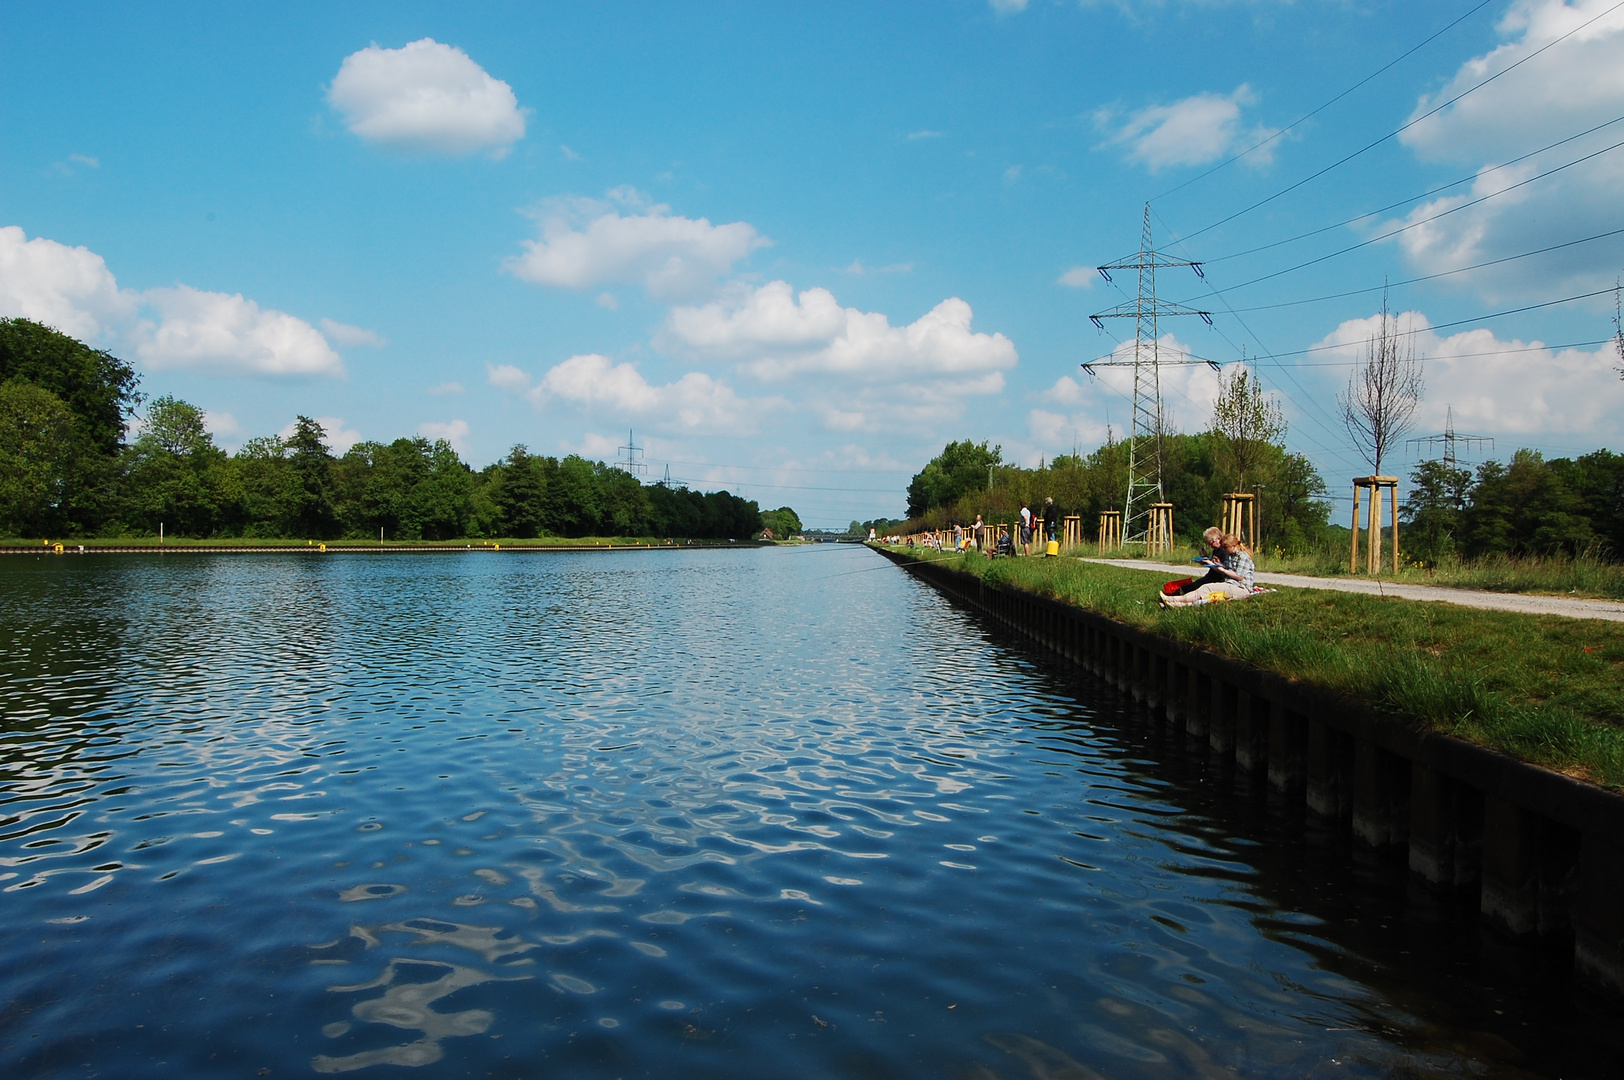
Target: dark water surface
[[675, 814]]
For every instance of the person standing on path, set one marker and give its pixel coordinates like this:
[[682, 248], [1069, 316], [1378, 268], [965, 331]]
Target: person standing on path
[[1026, 529], [1051, 519]]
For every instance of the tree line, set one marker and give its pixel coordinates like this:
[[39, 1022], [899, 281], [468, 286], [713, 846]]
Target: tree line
[[1528, 506], [1242, 450], [67, 469]]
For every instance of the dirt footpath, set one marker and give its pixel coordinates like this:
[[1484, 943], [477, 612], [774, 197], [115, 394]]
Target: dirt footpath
[[1526, 603]]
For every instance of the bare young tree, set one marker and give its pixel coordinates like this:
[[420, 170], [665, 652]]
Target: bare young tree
[[1379, 404], [1245, 421]]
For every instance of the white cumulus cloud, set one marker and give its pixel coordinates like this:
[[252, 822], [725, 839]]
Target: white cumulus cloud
[[586, 243], [695, 403], [1078, 277], [1192, 131], [1080, 404], [212, 330], [69, 288], [854, 368], [1575, 84], [426, 97], [1507, 388], [72, 289], [507, 377], [454, 432], [344, 334]]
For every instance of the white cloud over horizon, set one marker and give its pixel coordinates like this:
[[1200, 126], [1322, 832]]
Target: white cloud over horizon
[[1502, 387], [338, 437], [586, 243], [1576, 84], [853, 368], [353, 336], [197, 329], [696, 402], [1195, 130], [426, 97], [454, 432], [1075, 407], [72, 289]]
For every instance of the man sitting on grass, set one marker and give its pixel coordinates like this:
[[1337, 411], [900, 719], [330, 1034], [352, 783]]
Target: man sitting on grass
[[1229, 574]]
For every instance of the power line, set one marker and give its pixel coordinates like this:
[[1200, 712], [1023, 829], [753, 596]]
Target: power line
[[1432, 277], [1309, 115], [1399, 131], [1461, 322], [1466, 355], [1417, 224], [1412, 198]]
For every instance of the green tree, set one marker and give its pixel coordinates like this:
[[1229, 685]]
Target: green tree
[[98, 388], [311, 512], [265, 479], [1524, 508], [174, 475], [1247, 426], [961, 467], [1598, 479], [573, 506], [1433, 510], [99, 391], [518, 492], [623, 503], [38, 445], [443, 500], [784, 522]]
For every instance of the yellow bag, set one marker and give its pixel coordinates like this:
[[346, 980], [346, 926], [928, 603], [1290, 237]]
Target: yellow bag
[[1052, 547]]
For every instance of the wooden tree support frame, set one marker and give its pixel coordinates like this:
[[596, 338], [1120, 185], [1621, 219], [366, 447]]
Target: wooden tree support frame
[[1110, 536], [1373, 523], [1071, 531], [1159, 533], [1239, 516]]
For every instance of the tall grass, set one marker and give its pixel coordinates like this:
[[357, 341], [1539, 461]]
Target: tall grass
[[1584, 575], [1546, 689]]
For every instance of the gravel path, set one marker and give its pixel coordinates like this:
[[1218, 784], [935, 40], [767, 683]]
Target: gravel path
[[1525, 603]]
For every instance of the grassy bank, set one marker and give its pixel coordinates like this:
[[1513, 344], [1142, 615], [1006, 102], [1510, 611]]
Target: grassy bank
[[1542, 688], [1556, 575]]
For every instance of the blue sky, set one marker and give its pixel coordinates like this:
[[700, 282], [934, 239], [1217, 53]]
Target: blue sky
[[797, 249]]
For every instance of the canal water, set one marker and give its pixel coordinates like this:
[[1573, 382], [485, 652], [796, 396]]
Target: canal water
[[758, 813]]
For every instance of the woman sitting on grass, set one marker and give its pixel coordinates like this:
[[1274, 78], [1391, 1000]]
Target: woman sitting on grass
[[1229, 574]]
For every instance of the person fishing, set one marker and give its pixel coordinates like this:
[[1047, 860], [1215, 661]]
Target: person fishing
[[1229, 572]]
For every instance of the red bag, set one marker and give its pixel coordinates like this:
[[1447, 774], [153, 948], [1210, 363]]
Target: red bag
[[1172, 588]]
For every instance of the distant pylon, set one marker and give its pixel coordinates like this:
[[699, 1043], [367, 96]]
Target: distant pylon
[[1145, 433], [1450, 437], [632, 457]]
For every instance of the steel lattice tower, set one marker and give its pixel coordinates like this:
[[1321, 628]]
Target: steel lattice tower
[[1450, 437], [1145, 433]]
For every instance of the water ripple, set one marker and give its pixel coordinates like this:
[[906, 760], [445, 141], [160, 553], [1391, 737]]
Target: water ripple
[[697, 814]]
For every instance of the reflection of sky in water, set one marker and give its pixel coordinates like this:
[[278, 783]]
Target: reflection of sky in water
[[680, 813]]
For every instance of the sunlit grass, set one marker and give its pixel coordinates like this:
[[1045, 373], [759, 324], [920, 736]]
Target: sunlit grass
[[1557, 575], [1546, 689]]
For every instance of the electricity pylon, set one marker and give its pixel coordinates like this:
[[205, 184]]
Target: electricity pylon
[[1145, 433], [1450, 437], [631, 459]]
